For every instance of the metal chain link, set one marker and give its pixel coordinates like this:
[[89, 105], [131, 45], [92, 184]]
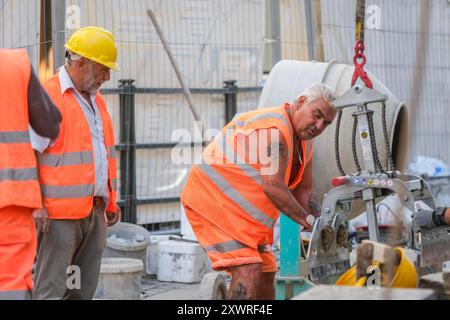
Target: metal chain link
[[336, 143], [355, 155], [373, 142], [390, 162]]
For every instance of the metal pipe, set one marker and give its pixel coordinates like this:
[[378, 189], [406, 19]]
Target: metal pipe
[[46, 41], [178, 73], [309, 29], [275, 30], [59, 17]]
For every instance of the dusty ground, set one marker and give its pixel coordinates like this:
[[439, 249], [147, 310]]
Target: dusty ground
[[153, 289]]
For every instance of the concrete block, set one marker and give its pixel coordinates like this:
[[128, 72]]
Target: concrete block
[[120, 279], [357, 293], [126, 240]]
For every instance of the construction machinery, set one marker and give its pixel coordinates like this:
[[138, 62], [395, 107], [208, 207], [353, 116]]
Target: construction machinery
[[376, 177], [367, 111], [375, 112]]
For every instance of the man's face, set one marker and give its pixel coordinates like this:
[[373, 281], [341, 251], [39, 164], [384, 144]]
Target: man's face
[[311, 118], [94, 75]]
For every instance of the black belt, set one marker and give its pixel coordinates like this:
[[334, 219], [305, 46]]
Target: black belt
[[98, 201]]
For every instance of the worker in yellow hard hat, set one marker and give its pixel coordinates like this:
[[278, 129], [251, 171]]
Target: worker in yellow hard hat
[[95, 44], [77, 172]]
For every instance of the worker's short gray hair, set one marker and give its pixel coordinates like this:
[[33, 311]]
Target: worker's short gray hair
[[316, 91]]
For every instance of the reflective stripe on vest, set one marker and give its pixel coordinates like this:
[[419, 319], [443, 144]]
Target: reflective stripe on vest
[[18, 174], [14, 137], [235, 196], [233, 245], [225, 246], [270, 115], [67, 192], [15, 295], [235, 158], [65, 159]]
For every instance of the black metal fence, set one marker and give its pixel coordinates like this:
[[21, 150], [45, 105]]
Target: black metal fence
[[128, 199]]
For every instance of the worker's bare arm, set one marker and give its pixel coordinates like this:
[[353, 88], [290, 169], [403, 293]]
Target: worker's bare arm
[[41, 215], [305, 194], [272, 176]]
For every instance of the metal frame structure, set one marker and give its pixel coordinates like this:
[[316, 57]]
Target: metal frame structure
[[127, 144]]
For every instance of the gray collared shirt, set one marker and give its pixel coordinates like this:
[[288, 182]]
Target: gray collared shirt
[[93, 118]]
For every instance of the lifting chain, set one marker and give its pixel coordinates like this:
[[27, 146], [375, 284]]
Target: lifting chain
[[354, 133], [373, 142], [359, 60], [336, 143], [390, 164]]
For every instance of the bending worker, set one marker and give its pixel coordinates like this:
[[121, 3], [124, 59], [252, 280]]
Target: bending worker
[[23, 102], [258, 166], [77, 172]]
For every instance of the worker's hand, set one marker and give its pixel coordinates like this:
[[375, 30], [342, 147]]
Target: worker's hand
[[308, 223], [314, 205], [428, 219], [113, 217], [41, 218], [423, 220]]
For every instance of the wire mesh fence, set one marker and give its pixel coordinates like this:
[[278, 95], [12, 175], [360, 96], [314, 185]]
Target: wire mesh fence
[[216, 41]]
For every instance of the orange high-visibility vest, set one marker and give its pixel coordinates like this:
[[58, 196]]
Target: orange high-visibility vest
[[19, 184], [227, 189], [66, 169]]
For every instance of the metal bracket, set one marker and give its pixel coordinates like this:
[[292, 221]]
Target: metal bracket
[[359, 95]]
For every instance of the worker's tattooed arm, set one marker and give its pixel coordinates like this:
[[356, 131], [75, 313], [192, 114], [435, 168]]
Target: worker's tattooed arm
[[272, 177], [314, 204], [305, 194], [308, 199]]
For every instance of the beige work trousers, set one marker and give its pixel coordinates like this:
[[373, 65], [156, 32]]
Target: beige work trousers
[[68, 247]]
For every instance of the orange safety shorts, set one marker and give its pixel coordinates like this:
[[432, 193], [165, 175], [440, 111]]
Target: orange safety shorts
[[17, 252], [226, 252]]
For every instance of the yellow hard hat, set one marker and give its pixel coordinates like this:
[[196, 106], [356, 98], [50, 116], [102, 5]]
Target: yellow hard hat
[[96, 44], [405, 276]]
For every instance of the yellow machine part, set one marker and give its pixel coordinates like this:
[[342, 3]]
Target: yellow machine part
[[405, 276]]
